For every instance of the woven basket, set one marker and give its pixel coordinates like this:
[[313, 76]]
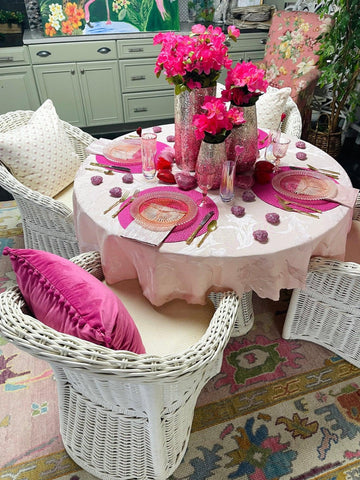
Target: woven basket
[[257, 13], [322, 138], [11, 28]]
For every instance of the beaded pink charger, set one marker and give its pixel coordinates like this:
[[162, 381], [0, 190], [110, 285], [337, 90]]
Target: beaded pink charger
[[267, 193], [179, 234]]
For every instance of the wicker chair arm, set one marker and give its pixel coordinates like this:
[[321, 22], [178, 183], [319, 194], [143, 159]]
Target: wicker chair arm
[[356, 214], [328, 266], [16, 188]]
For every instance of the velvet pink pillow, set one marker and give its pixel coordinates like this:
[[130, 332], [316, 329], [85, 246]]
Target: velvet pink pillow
[[70, 300]]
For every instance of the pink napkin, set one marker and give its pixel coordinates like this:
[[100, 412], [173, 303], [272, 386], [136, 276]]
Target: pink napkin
[[179, 234], [263, 139], [135, 164]]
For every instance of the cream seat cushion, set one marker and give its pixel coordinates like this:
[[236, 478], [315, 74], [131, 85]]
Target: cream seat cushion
[[66, 196], [166, 330]]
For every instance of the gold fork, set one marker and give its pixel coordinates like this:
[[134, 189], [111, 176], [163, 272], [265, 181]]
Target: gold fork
[[132, 198], [123, 197], [286, 207], [292, 202]]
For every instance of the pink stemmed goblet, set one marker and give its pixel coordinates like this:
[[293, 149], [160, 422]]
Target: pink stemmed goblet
[[205, 177], [280, 146]]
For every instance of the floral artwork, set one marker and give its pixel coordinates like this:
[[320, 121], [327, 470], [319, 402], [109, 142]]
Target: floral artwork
[[89, 17]]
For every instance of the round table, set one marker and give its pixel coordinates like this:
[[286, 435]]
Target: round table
[[230, 258]]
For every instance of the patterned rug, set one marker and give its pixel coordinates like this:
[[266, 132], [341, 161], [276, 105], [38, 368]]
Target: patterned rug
[[279, 410]]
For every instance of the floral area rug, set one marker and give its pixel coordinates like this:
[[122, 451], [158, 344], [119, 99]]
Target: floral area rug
[[278, 410]]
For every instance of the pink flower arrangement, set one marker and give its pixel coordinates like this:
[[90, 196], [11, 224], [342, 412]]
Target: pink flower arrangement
[[217, 122], [195, 60], [244, 84]]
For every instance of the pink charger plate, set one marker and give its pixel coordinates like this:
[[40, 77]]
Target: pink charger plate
[[267, 193], [179, 234], [135, 163]]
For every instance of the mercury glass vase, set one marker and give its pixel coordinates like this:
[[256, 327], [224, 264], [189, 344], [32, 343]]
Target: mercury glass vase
[[242, 143], [187, 104], [213, 155]]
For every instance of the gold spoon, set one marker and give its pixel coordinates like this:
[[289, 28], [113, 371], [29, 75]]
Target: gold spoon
[[210, 228]]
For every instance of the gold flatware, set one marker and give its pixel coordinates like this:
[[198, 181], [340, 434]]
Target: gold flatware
[[296, 210], [323, 169], [201, 224], [292, 202], [210, 228], [131, 199], [105, 172], [123, 197], [114, 168]]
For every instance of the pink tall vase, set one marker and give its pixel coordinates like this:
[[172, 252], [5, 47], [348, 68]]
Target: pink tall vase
[[187, 147], [242, 143]]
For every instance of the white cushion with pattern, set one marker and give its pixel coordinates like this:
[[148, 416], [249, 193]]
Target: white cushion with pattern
[[40, 154], [270, 106]]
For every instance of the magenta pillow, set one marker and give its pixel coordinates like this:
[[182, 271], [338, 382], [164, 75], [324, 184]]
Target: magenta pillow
[[70, 300]]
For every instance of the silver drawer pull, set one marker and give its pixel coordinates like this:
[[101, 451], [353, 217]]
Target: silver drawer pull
[[104, 50], [140, 109], [43, 53], [133, 50], [263, 41], [6, 59], [138, 77]]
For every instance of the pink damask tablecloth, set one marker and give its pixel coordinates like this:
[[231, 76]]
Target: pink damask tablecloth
[[230, 258]]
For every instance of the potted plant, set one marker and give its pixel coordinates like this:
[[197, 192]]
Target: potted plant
[[11, 22], [339, 63]]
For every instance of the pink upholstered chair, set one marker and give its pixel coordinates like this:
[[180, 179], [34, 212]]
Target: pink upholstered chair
[[290, 59]]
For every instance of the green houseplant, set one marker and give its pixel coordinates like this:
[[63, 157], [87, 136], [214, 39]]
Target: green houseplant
[[339, 60], [10, 22]]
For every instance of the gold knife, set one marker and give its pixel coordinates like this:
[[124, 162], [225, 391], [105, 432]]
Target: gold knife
[[201, 224]]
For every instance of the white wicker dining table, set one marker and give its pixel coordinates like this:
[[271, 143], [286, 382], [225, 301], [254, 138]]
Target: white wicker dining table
[[230, 258]]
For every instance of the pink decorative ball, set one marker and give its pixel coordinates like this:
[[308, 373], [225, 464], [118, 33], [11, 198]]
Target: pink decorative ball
[[300, 144], [248, 196], [238, 211], [128, 178], [261, 236], [273, 218], [301, 156], [115, 192], [96, 180]]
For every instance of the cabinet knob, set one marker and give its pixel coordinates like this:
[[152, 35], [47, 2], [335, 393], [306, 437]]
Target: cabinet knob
[[104, 50], [140, 109], [134, 50], [82, 71], [263, 41], [43, 53], [72, 72], [138, 77]]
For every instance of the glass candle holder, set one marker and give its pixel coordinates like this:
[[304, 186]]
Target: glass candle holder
[[227, 181]]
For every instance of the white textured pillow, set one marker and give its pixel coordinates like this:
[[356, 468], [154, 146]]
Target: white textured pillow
[[40, 154], [270, 106]]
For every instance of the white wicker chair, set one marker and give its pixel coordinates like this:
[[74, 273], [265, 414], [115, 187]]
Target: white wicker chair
[[356, 213], [47, 223], [327, 310], [122, 416]]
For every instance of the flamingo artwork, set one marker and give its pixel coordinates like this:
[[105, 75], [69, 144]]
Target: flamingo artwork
[[87, 12], [161, 8]]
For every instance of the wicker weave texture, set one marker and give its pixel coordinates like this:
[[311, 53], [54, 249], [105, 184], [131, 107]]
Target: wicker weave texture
[[356, 213], [327, 311], [122, 416], [47, 223]]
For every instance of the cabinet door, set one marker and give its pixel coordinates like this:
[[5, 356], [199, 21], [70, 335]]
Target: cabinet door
[[17, 89], [100, 87], [60, 83]]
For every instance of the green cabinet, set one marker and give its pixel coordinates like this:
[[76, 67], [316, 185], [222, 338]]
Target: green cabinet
[[85, 93], [17, 84]]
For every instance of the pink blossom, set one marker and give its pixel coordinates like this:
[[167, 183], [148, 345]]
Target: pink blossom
[[216, 120], [195, 60], [244, 84]]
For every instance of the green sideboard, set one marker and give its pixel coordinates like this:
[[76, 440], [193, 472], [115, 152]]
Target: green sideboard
[[101, 84]]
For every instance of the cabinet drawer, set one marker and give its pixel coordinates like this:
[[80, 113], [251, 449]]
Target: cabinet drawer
[[250, 41], [148, 106], [137, 48], [74, 52], [140, 78], [13, 56]]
